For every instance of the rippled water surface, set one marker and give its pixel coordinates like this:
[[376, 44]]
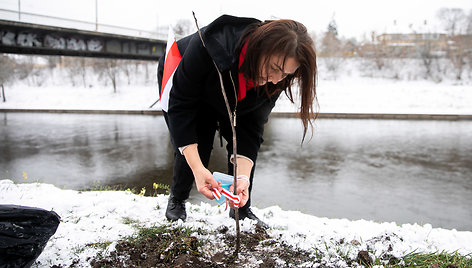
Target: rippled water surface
[[382, 170]]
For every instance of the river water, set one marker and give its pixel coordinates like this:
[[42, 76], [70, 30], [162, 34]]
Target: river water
[[381, 170]]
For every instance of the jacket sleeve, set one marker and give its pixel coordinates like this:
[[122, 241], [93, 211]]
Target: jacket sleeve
[[186, 93]]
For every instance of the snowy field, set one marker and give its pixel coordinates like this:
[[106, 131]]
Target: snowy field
[[353, 88], [91, 217], [98, 217], [346, 95]]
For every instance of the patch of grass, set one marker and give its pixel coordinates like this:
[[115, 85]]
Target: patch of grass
[[99, 245], [160, 188], [436, 260], [129, 221], [414, 259], [97, 186]]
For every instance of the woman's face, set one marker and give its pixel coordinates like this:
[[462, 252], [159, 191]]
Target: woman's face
[[275, 69]]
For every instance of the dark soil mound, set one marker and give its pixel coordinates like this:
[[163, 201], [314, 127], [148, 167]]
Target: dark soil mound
[[176, 247]]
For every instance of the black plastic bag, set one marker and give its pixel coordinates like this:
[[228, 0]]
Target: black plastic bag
[[24, 232]]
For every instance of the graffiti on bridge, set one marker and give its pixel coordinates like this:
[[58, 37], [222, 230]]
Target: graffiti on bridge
[[26, 39]]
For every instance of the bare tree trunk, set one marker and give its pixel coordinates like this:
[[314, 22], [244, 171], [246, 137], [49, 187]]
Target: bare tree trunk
[[83, 70], [456, 53], [3, 94], [114, 86], [112, 71], [113, 81], [426, 58], [146, 69]]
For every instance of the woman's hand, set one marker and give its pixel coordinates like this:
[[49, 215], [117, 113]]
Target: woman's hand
[[242, 191], [203, 178], [244, 170], [205, 182]]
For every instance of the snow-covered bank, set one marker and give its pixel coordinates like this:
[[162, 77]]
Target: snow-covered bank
[[346, 95], [93, 217], [355, 86]]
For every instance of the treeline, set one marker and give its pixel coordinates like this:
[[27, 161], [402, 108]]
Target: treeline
[[38, 71], [439, 54], [415, 55]]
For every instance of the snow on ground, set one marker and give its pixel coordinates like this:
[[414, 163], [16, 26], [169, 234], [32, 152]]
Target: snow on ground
[[367, 95], [344, 95], [97, 217]]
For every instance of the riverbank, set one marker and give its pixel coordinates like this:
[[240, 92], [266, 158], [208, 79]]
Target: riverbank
[[346, 97], [93, 224], [274, 114]]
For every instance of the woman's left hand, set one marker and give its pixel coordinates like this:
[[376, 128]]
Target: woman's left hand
[[242, 191]]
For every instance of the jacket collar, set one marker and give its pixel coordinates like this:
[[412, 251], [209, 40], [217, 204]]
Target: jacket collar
[[222, 37]]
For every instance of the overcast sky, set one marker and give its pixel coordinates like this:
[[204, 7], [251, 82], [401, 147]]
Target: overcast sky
[[353, 17]]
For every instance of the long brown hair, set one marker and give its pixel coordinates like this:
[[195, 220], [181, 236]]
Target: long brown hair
[[285, 38]]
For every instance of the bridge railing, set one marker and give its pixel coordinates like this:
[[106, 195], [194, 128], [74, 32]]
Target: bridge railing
[[40, 34], [14, 15]]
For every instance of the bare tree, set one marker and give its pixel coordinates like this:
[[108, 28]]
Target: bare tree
[[32, 70], [108, 68], [23, 69], [183, 27], [330, 43], [428, 51], [136, 67], [77, 66], [53, 61], [469, 42], [426, 58], [331, 48], [6, 73], [125, 66], [146, 72], [455, 22], [374, 50], [469, 23], [456, 51]]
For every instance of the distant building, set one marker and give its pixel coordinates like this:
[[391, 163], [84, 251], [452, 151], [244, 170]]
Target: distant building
[[413, 44], [417, 40]]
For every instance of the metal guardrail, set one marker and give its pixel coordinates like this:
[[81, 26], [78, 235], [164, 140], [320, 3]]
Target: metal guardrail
[[381, 116], [375, 116], [28, 17]]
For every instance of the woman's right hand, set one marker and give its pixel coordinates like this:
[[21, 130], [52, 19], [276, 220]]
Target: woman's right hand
[[205, 182], [203, 178]]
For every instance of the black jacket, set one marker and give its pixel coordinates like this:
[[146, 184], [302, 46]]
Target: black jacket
[[196, 85]]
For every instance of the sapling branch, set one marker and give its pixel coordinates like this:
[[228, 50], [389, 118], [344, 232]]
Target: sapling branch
[[233, 129]]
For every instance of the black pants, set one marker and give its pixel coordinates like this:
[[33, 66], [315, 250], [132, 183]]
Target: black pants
[[207, 124]]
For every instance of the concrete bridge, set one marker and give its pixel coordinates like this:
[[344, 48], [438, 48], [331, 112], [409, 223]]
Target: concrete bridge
[[27, 38]]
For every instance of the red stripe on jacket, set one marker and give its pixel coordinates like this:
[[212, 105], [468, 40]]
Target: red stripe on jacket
[[244, 85]]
